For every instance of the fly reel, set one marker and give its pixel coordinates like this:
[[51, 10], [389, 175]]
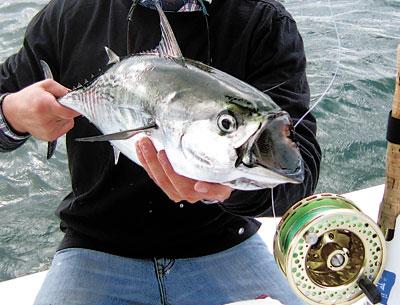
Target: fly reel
[[327, 248]]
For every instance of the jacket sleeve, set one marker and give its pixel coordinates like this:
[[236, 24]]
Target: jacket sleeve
[[278, 61], [23, 69]]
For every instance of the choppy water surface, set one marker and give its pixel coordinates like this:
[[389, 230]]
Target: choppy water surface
[[352, 119]]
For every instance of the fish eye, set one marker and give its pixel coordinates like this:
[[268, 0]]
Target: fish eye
[[227, 122]]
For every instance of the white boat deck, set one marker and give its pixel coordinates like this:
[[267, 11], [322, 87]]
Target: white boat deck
[[22, 291]]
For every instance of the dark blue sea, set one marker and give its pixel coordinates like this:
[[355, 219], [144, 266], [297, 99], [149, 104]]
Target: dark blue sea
[[352, 40]]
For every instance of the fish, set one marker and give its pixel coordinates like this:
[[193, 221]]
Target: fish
[[212, 126]]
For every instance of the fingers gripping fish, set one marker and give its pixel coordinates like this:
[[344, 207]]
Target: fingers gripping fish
[[212, 126]]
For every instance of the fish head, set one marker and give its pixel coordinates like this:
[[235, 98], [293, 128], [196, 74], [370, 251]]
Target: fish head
[[241, 144], [271, 155]]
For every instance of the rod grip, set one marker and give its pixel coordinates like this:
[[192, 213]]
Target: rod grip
[[396, 97], [390, 206]]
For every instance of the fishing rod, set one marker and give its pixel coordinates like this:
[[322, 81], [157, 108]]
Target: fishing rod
[[390, 207], [389, 210]]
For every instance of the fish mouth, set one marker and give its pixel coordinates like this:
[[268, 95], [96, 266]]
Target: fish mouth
[[274, 147]]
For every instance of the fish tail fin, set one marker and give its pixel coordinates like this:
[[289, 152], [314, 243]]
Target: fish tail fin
[[51, 145], [46, 70]]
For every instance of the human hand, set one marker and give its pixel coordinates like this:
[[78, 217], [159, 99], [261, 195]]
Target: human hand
[[176, 187], [35, 110]]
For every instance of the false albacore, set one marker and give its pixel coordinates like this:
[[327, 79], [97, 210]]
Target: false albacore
[[212, 126]]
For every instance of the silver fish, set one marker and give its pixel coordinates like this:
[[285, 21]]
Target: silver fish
[[212, 126]]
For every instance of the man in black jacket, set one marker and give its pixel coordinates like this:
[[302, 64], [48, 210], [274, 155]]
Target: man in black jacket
[[126, 240]]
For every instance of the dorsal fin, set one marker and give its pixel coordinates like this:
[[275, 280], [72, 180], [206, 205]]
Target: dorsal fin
[[168, 46], [112, 57]]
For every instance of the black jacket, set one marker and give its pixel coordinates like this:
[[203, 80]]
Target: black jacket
[[118, 209]]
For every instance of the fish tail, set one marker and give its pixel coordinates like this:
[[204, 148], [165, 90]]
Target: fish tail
[[51, 145]]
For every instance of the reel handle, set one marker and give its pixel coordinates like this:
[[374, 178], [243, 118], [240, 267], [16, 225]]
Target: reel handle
[[370, 290], [390, 206]]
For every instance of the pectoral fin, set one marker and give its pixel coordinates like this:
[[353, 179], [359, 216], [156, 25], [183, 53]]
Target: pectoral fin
[[122, 135]]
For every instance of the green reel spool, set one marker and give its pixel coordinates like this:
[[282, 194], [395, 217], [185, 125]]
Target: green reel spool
[[324, 245]]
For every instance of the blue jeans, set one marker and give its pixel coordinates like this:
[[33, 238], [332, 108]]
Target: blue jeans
[[87, 277]]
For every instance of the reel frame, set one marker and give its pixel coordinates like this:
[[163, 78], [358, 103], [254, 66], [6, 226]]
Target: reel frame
[[324, 245]]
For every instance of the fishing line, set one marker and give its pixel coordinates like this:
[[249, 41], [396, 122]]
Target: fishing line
[[273, 208], [205, 14], [129, 45], [339, 46], [276, 86]]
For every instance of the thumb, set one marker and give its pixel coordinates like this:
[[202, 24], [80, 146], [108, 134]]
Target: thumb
[[62, 111], [54, 88]]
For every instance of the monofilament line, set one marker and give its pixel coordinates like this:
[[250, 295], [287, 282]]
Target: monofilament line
[[339, 46], [273, 208]]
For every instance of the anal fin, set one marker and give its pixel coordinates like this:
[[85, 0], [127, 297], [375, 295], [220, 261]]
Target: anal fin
[[116, 154]]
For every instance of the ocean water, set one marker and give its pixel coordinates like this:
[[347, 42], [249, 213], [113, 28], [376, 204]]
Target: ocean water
[[356, 39]]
